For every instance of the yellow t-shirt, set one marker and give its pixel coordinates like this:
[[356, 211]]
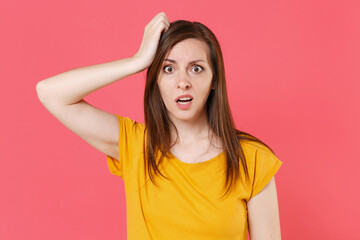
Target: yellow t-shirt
[[188, 205]]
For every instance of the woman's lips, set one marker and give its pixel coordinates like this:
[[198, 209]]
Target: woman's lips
[[184, 101], [183, 96], [184, 105]]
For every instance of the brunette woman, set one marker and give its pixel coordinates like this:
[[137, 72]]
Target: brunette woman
[[188, 172]]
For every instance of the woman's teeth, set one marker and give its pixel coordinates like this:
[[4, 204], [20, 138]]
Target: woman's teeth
[[184, 100]]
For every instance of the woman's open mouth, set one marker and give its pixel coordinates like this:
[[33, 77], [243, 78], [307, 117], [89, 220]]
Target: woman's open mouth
[[184, 102]]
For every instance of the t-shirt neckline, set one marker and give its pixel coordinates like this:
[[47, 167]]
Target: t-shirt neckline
[[197, 163]]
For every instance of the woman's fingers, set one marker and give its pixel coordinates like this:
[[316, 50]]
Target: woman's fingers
[[158, 24], [159, 17], [151, 38]]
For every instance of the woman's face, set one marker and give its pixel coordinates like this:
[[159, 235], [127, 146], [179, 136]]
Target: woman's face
[[185, 80]]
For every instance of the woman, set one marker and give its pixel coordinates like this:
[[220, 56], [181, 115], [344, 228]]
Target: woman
[[177, 165]]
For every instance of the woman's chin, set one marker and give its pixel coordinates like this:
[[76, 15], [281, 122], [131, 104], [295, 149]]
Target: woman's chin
[[187, 116]]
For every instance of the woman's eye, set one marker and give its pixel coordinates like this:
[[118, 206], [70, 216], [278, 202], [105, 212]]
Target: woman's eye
[[197, 69], [168, 69]]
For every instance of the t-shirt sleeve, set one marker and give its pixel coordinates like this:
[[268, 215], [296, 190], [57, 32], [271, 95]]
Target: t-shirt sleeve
[[266, 165], [130, 133]]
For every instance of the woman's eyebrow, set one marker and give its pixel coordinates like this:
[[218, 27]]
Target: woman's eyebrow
[[195, 61]]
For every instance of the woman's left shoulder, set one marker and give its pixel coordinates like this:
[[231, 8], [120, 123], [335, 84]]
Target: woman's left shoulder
[[253, 147]]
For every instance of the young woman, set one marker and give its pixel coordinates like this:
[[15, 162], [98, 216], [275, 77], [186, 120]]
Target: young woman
[[188, 173]]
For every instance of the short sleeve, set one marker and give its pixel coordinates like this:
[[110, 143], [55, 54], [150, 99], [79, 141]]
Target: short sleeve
[[130, 134], [265, 167]]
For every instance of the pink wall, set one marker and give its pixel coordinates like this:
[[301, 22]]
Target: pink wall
[[293, 81]]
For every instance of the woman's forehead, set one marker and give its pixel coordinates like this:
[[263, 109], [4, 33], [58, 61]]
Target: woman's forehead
[[187, 50]]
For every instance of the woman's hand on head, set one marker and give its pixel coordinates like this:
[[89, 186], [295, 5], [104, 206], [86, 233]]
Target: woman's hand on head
[[150, 41]]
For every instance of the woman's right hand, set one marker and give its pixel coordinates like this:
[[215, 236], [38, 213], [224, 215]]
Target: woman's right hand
[[150, 41]]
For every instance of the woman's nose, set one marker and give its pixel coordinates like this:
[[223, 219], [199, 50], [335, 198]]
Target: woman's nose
[[184, 82]]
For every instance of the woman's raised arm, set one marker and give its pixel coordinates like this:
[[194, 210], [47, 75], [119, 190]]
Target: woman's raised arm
[[62, 95]]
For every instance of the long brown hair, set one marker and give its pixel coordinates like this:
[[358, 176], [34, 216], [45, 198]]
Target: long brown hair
[[158, 123]]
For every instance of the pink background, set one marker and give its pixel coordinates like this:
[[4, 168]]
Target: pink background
[[293, 81]]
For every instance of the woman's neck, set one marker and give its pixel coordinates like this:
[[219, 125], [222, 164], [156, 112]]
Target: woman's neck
[[191, 131]]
